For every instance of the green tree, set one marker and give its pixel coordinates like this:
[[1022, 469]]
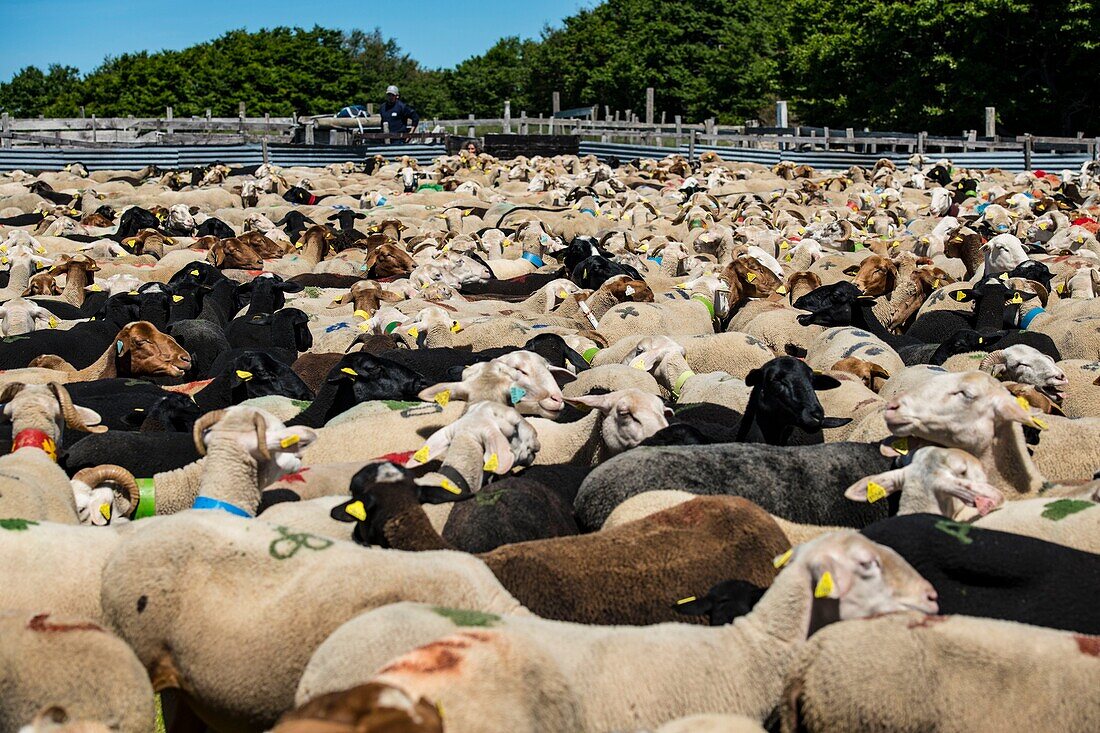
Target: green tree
[[935, 64], [480, 84], [31, 93], [704, 58]]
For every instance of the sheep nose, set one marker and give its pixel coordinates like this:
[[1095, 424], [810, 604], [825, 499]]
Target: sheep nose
[[893, 404]]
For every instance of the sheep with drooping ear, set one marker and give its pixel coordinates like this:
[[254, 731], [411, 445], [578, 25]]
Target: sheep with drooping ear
[[1027, 365]]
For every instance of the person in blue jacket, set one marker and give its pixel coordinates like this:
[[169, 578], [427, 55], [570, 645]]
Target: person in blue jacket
[[400, 116]]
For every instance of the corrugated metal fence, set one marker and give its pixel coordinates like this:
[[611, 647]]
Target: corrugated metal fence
[[121, 158]]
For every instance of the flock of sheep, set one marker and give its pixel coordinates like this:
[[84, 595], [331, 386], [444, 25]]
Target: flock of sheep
[[550, 445]]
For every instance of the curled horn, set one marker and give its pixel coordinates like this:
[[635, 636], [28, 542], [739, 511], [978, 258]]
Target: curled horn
[[203, 424], [72, 417], [260, 424], [10, 391], [991, 360], [98, 475]]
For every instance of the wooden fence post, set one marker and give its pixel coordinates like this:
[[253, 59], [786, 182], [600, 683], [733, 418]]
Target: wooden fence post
[[991, 122], [168, 117], [470, 131], [5, 128], [240, 117], [507, 116], [691, 146], [1027, 151], [781, 113], [556, 103], [309, 131], [263, 149], [649, 105], [93, 129]]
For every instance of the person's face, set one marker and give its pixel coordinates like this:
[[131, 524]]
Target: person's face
[[471, 148], [391, 98]]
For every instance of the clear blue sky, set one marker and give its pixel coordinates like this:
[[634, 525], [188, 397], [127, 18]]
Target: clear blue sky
[[435, 32]]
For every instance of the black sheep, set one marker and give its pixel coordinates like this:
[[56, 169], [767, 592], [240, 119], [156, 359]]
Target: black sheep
[[982, 572]]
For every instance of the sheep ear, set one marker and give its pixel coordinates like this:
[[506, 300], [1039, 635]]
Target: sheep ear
[[562, 376], [872, 488], [646, 360], [435, 494], [854, 269], [90, 417], [1009, 408], [497, 445], [754, 376], [601, 402], [342, 300], [356, 509], [822, 382], [457, 391], [692, 606]]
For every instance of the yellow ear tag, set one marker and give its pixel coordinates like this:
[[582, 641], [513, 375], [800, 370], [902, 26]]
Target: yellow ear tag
[[195, 273], [289, 440], [783, 559], [446, 485], [1060, 289], [1017, 298], [3, 260], [506, 243], [177, 298], [824, 587], [421, 456], [133, 292], [936, 283], [1003, 276], [1036, 422], [901, 445], [784, 245], [638, 363], [682, 601], [105, 510], [788, 258], [875, 492], [456, 327], [362, 314], [1022, 402], [244, 375], [493, 463], [349, 371], [95, 288], [53, 321], [357, 510], [782, 290], [414, 332], [442, 398], [960, 295], [750, 276]]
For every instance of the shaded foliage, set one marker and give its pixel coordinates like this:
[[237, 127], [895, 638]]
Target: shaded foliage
[[887, 64]]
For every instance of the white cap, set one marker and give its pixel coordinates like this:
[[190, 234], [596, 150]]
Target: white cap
[[391, 89]]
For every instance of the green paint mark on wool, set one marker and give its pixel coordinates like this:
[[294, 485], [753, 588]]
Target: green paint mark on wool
[[301, 404], [462, 617], [312, 291], [399, 405], [17, 525], [289, 542], [1058, 510], [489, 498], [957, 530]]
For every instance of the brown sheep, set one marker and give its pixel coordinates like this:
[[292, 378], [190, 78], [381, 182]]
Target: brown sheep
[[234, 254], [367, 296], [876, 276], [42, 283], [139, 349], [79, 274], [632, 574], [389, 260]]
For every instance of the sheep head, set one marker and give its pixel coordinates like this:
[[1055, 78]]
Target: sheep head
[[234, 254], [141, 349], [866, 578], [521, 379], [1027, 365], [871, 374], [960, 410], [42, 283], [876, 276], [943, 481], [492, 436], [46, 407], [630, 416], [275, 448], [105, 494]]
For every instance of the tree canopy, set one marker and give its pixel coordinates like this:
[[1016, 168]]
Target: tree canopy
[[887, 64]]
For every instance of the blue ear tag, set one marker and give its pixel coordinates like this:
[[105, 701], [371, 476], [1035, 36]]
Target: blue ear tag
[[516, 393], [118, 345]]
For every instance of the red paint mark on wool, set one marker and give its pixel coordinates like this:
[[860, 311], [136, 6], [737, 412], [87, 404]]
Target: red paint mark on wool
[[400, 458], [40, 623], [1088, 644]]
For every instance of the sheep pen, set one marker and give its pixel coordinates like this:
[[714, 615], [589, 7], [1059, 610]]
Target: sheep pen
[[422, 392]]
